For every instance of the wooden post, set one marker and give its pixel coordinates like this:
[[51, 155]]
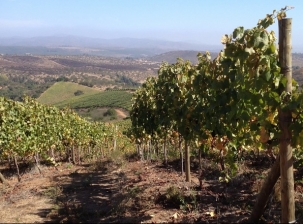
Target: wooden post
[[74, 154], [285, 118], [17, 167], [187, 161], [181, 155], [265, 191], [165, 150]]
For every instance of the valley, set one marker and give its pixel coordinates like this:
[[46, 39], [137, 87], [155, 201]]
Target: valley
[[110, 184], [150, 112], [32, 74]]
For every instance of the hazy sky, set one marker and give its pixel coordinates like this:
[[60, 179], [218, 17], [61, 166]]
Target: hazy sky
[[199, 21]]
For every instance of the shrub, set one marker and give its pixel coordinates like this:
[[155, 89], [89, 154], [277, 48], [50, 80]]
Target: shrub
[[78, 93], [110, 112]]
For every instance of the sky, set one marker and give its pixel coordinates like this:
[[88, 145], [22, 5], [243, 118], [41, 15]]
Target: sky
[[195, 21]]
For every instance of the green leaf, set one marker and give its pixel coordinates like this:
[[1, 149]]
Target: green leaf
[[260, 40], [263, 61], [238, 32], [271, 49], [277, 82], [245, 116], [283, 81], [267, 75], [275, 96]]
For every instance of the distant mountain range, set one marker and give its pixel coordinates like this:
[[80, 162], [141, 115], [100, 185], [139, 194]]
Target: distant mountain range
[[122, 47]]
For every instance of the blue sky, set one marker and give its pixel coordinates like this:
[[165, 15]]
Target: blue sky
[[198, 21]]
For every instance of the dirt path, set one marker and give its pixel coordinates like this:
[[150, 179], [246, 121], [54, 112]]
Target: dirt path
[[133, 192], [26, 201], [121, 113]]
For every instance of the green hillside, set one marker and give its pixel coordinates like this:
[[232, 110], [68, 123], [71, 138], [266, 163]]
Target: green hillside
[[120, 99], [62, 91]]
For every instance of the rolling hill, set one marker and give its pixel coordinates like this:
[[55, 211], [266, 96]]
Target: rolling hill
[[118, 99], [91, 104], [62, 94], [62, 91]]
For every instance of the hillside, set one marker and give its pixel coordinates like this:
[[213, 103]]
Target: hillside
[[33, 74], [298, 75], [172, 56], [91, 103], [62, 91], [121, 99]]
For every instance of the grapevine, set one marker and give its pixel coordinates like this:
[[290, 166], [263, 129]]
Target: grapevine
[[29, 129], [235, 96]]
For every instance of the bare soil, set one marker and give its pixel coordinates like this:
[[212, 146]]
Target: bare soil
[[131, 191], [98, 112], [122, 113]]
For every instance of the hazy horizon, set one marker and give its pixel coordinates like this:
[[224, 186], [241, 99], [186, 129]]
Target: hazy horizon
[[189, 21]]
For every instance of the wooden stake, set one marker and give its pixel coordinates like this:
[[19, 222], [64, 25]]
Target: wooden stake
[[285, 119], [36, 157], [17, 167], [187, 161], [265, 191], [181, 155]]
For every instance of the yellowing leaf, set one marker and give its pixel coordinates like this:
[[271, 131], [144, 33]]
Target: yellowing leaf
[[225, 39], [257, 137]]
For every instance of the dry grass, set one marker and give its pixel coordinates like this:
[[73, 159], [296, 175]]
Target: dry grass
[[28, 210]]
